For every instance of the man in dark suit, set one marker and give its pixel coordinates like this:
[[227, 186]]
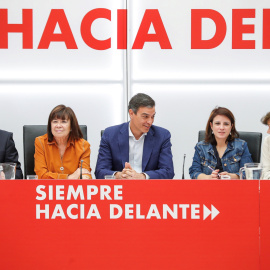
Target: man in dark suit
[[137, 149], [8, 152]]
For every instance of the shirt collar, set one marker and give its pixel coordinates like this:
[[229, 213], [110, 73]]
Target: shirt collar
[[230, 147], [54, 142]]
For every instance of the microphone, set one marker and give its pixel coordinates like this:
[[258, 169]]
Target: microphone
[[81, 169], [183, 174]]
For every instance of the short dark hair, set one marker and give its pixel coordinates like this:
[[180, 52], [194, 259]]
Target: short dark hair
[[64, 113], [265, 118], [209, 137], [140, 100]]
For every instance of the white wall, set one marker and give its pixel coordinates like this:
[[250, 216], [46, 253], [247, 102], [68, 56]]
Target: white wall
[[184, 108], [186, 84]]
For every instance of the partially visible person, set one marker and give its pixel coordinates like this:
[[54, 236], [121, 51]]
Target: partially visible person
[[266, 149], [222, 152], [136, 149], [59, 153], [9, 153]]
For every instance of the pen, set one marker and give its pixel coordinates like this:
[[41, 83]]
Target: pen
[[213, 170]]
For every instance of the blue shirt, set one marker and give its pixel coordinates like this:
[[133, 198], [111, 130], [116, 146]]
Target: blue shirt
[[234, 158]]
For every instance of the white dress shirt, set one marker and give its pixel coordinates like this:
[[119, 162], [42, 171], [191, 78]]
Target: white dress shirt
[[136, 152]]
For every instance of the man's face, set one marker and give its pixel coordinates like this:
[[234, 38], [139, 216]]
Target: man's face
[[142, 121]]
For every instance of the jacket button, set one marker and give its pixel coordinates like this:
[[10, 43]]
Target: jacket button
[[225, 164]]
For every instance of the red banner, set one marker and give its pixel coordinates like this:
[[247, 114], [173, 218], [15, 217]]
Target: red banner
[[167, 224]]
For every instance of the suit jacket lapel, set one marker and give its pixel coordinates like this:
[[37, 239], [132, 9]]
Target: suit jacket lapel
[[147, 148], [123, 142]]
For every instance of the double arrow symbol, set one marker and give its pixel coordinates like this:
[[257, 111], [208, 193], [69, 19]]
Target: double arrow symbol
[[206, 212]]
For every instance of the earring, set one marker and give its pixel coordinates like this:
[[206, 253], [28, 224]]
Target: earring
[[212, 132]]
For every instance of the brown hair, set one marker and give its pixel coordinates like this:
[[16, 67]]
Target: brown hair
[[265, 118], [64, 113], [209, 137], [140, 100]]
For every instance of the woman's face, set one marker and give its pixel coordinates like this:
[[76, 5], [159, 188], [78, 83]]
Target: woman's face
[[268, 124], [60, 128], [221, 127]]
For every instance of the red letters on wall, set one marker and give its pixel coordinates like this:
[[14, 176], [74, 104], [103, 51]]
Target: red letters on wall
[[196, 29], [151, 17], [87, 36], [266, 29], [239, 29], [57, 16], [26, 28]]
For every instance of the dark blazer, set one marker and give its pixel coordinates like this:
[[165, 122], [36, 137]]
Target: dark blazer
[[114, 152], [8, 152]]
